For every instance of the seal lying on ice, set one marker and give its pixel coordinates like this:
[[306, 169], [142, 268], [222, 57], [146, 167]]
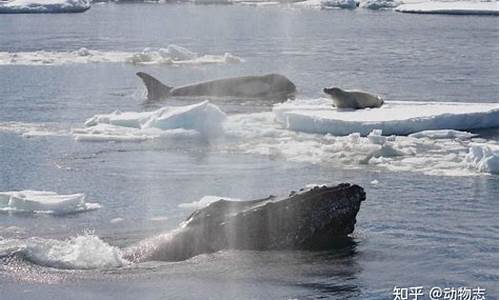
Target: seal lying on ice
[[353, 99], [270, 86], [312, 219]]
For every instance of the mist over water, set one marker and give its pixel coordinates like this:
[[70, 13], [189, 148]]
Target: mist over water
[[413, 229]]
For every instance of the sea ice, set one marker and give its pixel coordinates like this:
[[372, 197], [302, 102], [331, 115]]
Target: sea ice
[[43, 6], [202, 118], [394, 117], [327, 4], [205, 201], [28, 201], [451, 7], [258, 133], [443, 134], [483, 158], [172, 55], [379, 4]]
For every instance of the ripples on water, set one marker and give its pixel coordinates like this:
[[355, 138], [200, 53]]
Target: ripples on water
[[412, 230]]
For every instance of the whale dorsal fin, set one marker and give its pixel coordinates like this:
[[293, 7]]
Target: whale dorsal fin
[[155, 88]]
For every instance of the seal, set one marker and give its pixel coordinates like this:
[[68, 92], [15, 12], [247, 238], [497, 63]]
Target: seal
[[353, 99], [313, 219], [270, 86]]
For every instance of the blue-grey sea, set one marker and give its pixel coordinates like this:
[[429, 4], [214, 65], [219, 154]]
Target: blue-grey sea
[[413, 230]]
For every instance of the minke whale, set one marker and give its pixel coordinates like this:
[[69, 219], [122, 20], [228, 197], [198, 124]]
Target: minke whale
[[353, 99], [270, 86], [318, 218]]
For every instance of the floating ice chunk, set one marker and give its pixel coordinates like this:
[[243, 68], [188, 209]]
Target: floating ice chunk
[[29, 130], [327, 4], [203, 117], [117, 118], [313, 185], [443, 134], [258, 3], [171, 55], [379, 4], [174, 54], [451, 7], [387, 150], [483, 158], [44, 202], [211, 1], [205, 201], [189, 121], [80, 252], [393, 118], [180, 53], [116, 220], [375, 137], [346, 4], [43, 6], [260, 134]]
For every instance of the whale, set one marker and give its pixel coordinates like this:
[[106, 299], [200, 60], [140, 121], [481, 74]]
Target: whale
[[309, 219], [270, 86], [353, 99]]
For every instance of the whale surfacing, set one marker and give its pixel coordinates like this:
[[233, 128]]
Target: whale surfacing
[[270, 86], [353, 99], [313, 219]]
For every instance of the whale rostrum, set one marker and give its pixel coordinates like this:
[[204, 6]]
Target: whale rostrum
[[312, 219], [270, 86]]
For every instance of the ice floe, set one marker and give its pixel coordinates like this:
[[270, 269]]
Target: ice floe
[[259, 134], [451, 7], [81, 252], [29, 130], [394, 117], [202, 118], [483, 159], [43, 202], [376, 138], [171, 55], [443, 134], [379, 4], [205, 201], [43, 6], [326, 4]]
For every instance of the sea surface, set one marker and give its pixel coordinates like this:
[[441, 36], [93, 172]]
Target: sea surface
[[413, 230]]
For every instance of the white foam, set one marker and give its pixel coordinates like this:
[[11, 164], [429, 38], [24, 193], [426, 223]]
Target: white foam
[[173, 55], [394, 117], [28, 201], [451, 7], [202, 118], [205, 201], [80, 252], [44, 6], [259, 134]]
